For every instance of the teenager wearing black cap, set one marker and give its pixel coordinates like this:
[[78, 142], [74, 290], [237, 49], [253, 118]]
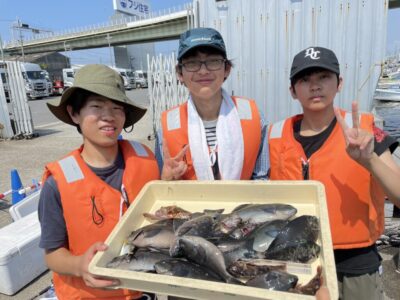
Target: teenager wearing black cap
[[86, 192], [212, 135], [350, 156]]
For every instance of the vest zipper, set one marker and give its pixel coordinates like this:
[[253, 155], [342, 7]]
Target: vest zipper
[[305, 168]]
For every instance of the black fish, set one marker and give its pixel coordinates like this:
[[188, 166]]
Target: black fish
[[183, 268], [274, 280]]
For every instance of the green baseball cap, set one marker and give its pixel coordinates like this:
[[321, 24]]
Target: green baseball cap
[[200, 37], [100, 80]]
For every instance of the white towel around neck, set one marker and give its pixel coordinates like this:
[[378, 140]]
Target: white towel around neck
[[229, 141]]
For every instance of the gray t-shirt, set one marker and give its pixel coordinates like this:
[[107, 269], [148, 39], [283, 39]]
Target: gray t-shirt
[[51, 217]]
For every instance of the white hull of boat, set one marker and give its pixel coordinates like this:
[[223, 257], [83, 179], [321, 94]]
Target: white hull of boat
[[387, 95]]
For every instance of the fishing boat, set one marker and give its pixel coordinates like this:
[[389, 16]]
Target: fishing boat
[[387, 94]]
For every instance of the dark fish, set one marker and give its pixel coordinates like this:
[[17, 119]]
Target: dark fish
[[303, 228], [274, 280], [256, 214], [142, 260], [252, 269], [234, 250], [266, 233], [204, 253], [182, 268], [296, 241], [199, 226], [158, 236], [297, 251]]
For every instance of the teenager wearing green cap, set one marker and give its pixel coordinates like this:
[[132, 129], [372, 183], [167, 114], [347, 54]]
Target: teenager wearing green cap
[[86, 192], [350, 156], [212, 135]]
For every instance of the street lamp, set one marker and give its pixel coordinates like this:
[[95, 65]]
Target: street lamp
[[108, 38]]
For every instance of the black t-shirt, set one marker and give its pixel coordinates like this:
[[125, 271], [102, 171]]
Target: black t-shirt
[[360, 260], [52, 222]]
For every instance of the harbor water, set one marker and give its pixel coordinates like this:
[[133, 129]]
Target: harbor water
[[390, 113]]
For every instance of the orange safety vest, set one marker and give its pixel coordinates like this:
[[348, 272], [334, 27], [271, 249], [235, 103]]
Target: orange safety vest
[[174, 124], [355, 201], [81, 191]]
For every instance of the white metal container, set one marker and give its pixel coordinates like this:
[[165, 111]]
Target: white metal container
[[21, 259]]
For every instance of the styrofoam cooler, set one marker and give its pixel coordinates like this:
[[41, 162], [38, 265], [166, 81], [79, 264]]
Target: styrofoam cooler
[[21, 259], [26, 206]]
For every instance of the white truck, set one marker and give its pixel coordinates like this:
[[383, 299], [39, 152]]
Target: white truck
[[128, 77], [140, 79], [36, 85], [69, 74]]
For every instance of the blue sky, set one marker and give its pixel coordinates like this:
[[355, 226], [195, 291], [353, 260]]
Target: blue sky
[[61, 15]]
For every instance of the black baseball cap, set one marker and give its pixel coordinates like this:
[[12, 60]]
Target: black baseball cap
[[200, 37], [313, 57]]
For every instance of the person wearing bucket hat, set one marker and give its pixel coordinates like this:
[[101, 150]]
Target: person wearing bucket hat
[[86, 192], [212, 135], [350, 156]]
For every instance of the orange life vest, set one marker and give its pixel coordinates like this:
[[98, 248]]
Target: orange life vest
[[176, 135], [355, 201], [92, 208]]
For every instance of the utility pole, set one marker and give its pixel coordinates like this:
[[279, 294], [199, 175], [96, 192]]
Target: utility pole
[[108, 38], [1, 49], [21, 39]]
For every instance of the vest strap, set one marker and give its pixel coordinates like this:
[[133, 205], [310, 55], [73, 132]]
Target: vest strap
[[173, 119], [277, 130], [243, 108], [139, 149], [71, 169]]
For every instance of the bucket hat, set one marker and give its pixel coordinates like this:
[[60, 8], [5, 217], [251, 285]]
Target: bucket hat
[[200, 37], [313, 57], [103, 81]]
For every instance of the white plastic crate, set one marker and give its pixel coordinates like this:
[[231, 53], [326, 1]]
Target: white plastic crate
[[307, 196]]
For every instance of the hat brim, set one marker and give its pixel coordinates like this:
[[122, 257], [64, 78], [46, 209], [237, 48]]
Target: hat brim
[[202, 44], [133, 111], [316, 65]]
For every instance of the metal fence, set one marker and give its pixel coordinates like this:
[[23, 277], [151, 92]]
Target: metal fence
[[165, 90], [15, 116]]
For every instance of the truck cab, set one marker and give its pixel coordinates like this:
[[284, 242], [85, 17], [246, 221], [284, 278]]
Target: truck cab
[[68, 76], [36, 85], [127, 76], [140, 79]]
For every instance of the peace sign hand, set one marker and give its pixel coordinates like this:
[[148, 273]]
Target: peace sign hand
[[359, 142], [174, 167]]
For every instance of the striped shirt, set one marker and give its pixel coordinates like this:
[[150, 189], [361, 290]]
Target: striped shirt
[[261, 167], [210, 128]]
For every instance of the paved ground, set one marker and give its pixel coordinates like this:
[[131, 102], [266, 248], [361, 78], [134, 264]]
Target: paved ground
[[30, 156]]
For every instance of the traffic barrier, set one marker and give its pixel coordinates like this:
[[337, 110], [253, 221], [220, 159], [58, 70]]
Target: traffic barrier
[[16, 185]]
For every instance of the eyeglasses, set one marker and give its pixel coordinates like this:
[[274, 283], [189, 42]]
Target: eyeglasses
[[211, 65]]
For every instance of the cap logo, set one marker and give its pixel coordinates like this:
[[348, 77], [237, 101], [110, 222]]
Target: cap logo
[[311, 53], [201, 39]]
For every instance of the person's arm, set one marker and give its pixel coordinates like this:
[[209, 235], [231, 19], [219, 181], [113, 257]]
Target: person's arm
[[63, 262], [261, 167], [360, 147]]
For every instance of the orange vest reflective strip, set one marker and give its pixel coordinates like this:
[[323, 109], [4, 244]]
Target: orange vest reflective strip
[[174, 124], [92, 208], [354, 199]]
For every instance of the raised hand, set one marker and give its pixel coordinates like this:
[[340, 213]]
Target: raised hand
[[359, 142], [174, 167], [90, 279]]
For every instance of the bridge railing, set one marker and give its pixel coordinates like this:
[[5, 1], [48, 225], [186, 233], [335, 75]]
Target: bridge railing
[[98, 28]]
